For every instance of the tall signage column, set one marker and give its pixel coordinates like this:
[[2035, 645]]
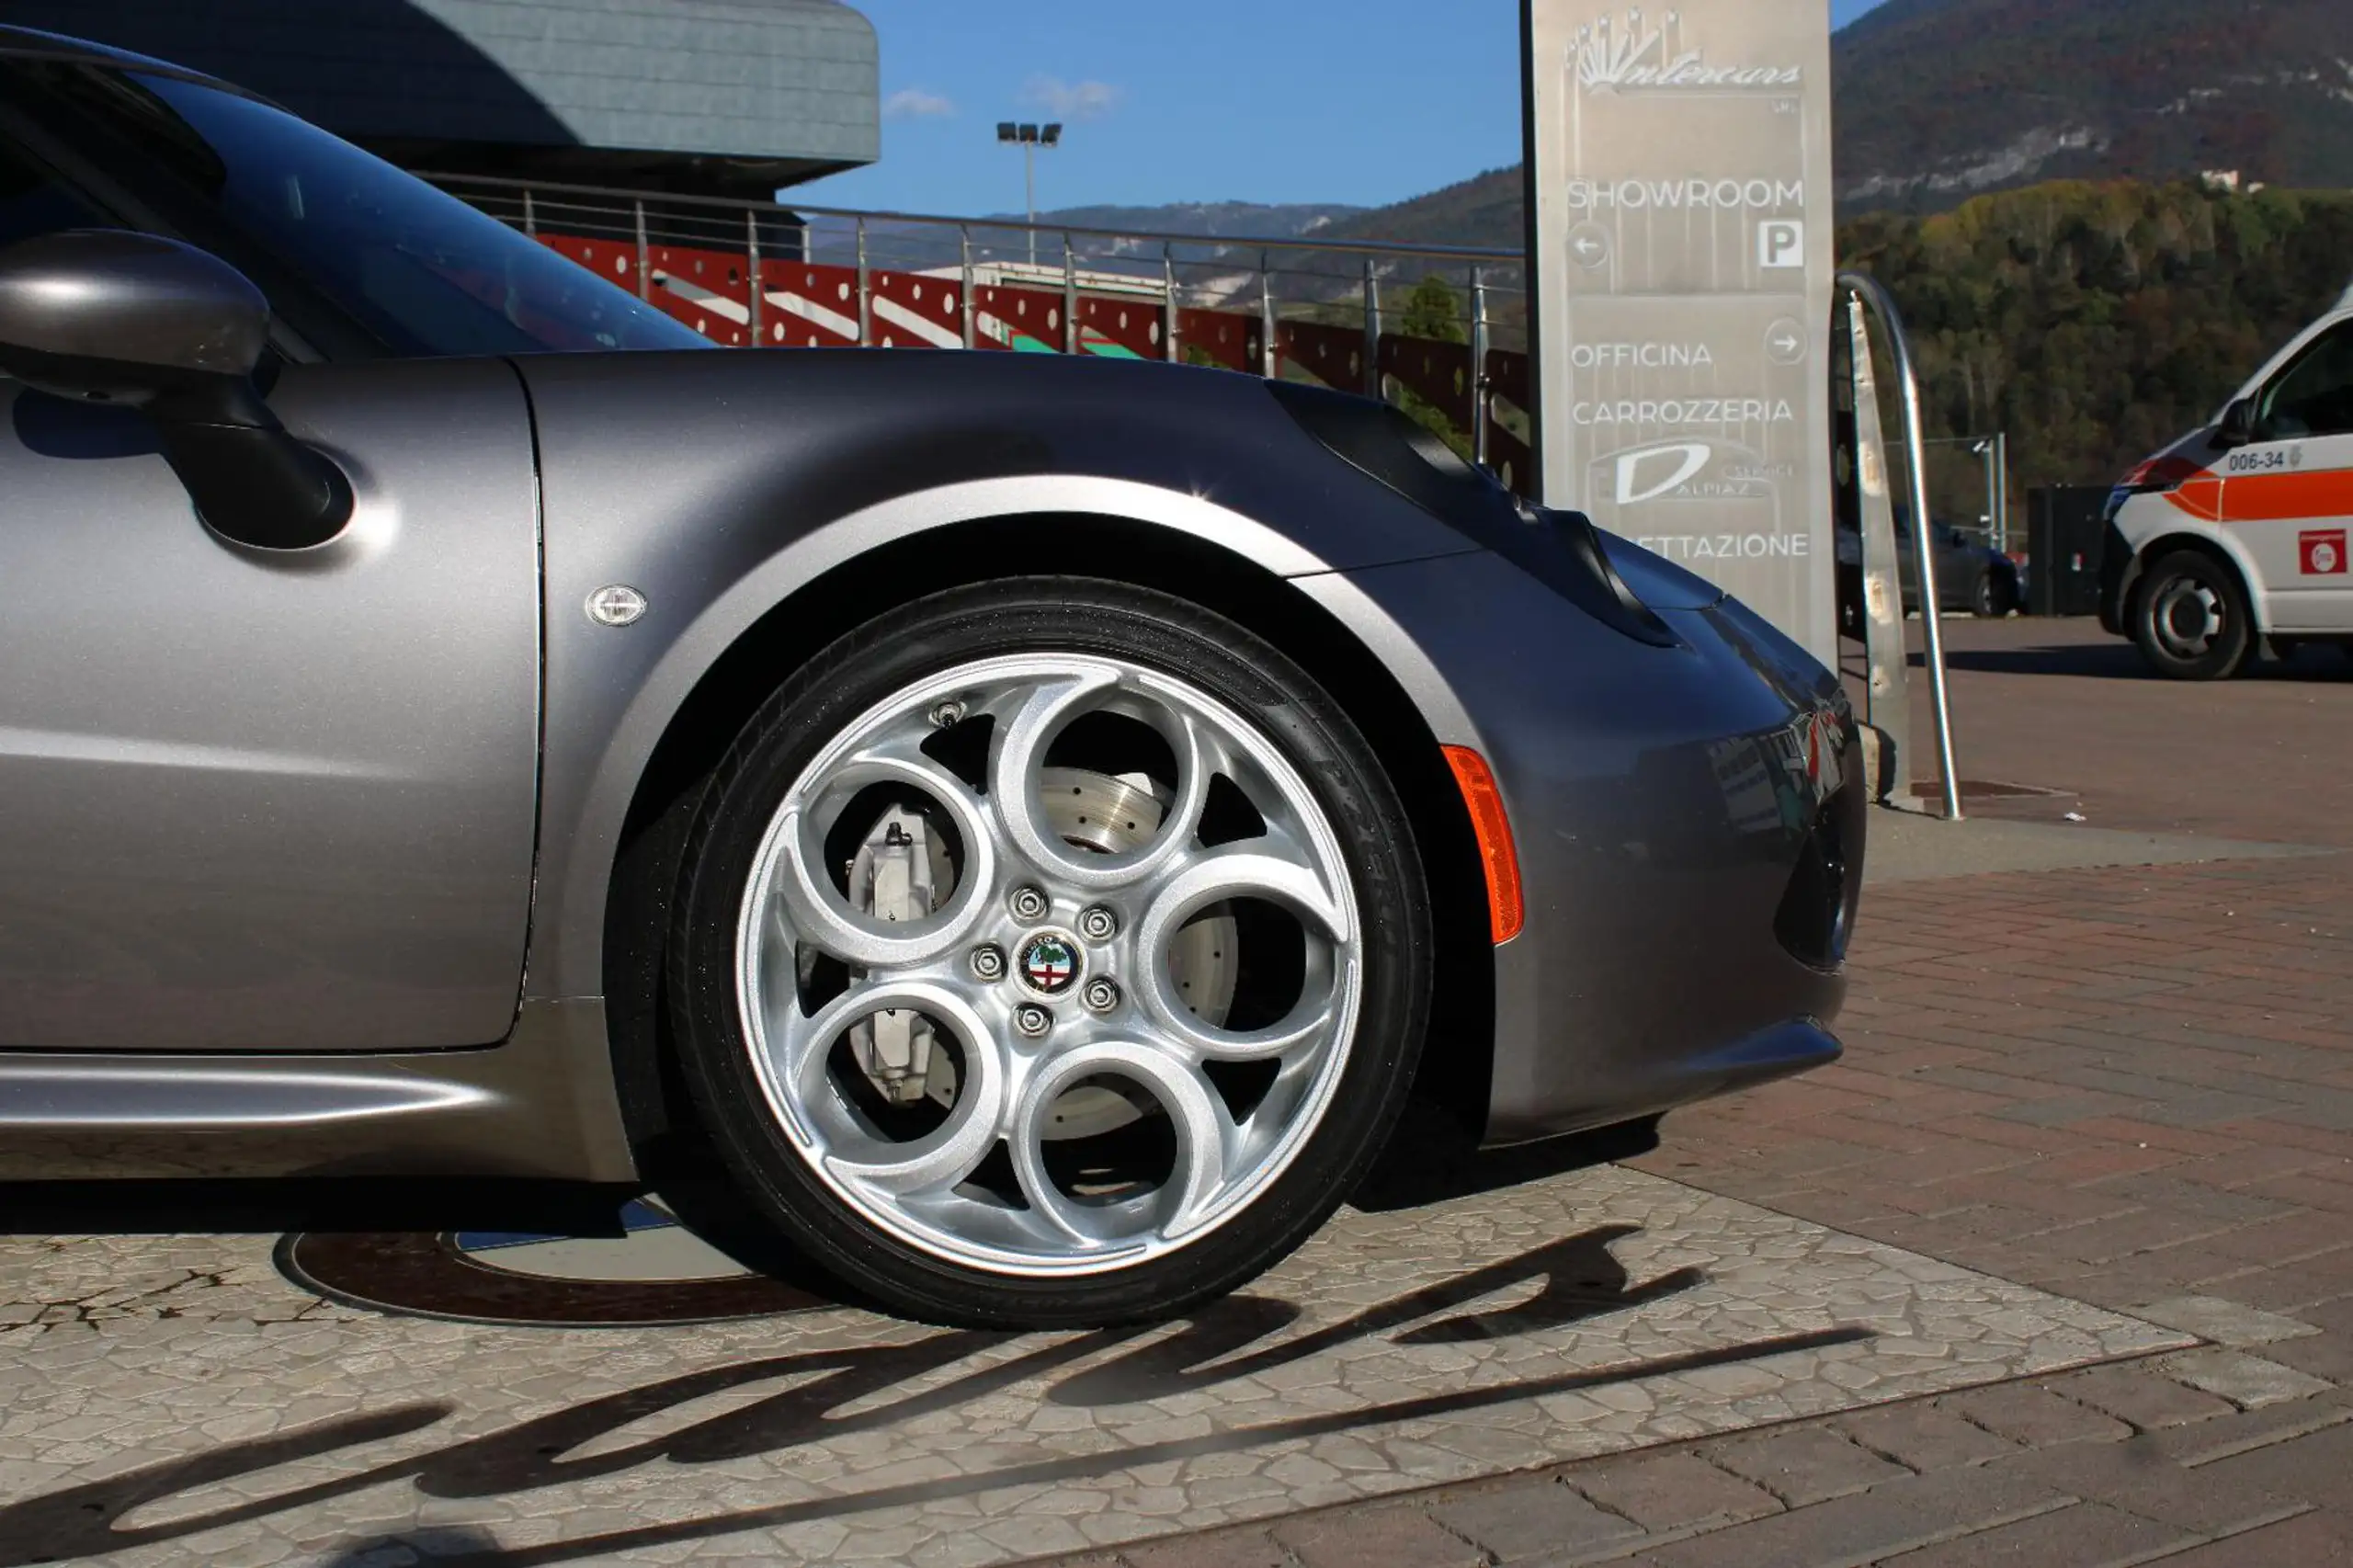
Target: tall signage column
[[1680, 213]]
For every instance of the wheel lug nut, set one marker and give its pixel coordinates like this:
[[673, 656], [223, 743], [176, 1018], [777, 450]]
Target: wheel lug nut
[[1101, 995], [1028, 903], [988, 962], [1032, 1020], [1099, 924]]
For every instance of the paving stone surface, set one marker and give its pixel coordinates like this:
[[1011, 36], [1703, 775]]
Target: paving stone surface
[[170, 1399], [2132, 1084]]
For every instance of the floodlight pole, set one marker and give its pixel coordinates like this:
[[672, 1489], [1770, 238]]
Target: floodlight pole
[[1031, 137]]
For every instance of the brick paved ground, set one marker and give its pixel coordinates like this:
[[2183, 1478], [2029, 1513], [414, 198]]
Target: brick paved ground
[[2061, 704], [2130, 1086]]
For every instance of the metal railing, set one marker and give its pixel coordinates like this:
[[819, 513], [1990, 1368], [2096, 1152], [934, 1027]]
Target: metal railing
[[1439, 330], [1868, 289]]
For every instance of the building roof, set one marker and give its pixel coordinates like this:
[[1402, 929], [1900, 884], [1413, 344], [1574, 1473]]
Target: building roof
[[716, 97]]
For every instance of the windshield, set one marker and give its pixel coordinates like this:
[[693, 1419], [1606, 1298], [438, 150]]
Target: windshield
[[418, 270]]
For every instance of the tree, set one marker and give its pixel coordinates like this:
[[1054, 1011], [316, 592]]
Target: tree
[[2095, 322], [1433, 311]]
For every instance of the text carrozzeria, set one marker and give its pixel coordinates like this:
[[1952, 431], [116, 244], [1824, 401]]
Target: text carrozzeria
[[1686, 411]]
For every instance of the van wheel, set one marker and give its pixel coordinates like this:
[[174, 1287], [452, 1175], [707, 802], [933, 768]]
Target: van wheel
[[2190, 618]]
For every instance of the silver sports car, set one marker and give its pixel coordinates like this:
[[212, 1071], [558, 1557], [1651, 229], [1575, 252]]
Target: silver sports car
[[1034, 822]]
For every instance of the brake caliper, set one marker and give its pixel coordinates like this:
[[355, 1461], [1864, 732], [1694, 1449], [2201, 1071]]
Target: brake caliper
[[901, 874]]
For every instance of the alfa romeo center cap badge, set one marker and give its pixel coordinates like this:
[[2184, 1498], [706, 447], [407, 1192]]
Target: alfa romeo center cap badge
[[1049, 964]]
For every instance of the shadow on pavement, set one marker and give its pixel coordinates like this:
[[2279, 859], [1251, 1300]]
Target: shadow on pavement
[[2118, 660], [831, 1391], [1429, 1160]]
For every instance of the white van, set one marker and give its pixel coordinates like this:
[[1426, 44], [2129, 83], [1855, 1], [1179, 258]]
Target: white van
[[2233, 539]]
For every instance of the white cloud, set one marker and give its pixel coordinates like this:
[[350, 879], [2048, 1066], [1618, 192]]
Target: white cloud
[[914, 103], [1071, 100]]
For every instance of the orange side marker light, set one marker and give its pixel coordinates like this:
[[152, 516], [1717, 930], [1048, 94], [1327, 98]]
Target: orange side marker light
[[1507, 910]]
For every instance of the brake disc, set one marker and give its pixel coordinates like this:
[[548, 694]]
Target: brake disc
[[1112, 814]]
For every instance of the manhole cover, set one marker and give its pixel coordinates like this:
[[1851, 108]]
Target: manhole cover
[[656, 1272]]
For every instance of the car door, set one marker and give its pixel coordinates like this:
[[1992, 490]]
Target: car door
[[1958, 563], [2288, 494], [258, 800]]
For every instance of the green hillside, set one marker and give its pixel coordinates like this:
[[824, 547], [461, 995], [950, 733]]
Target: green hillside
[[2096, 322]]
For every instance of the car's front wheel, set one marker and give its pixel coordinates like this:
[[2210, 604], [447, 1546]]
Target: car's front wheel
[[2190, 618], [1049, 953], [1994, 595]]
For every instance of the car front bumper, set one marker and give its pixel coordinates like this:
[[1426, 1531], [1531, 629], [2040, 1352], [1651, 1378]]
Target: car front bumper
[[1673, 810]]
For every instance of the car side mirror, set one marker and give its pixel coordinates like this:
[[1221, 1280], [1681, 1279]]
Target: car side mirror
[[103, 315], [2238, 428]]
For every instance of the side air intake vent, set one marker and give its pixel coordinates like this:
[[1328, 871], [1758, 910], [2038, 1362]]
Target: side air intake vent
[[1818, 909]]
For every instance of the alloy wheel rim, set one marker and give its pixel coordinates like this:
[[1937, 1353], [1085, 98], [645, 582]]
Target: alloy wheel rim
[[1089, 839]]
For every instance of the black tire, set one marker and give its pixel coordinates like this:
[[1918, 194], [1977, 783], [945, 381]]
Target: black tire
[[2190, 618], [1070, 616], [1993, 598]]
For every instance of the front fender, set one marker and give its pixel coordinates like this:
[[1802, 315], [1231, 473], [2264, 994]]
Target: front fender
[[664, 481]]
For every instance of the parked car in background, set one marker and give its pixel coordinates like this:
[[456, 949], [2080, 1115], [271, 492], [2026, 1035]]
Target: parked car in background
[[1972, 575]]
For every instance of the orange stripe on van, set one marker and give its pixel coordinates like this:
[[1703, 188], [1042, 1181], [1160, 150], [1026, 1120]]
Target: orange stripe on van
[[2289, 497], [2201, 496]]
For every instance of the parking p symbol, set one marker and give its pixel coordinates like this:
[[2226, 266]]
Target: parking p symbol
[[1781, 242]]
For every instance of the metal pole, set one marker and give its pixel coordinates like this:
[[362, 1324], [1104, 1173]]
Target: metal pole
[[864, 295], [1479, 389], [1924, 555], [1992, 506], [758, 291], [1070, 298], [1266, 315], [1887, 696], [1168, 304], [645, 255], [1371, 328], [964, 240], [530, 216], [1029, 177], [2002, 494]]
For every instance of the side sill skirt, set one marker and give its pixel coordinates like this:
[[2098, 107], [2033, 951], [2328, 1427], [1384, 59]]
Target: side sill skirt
[[540, 1105]]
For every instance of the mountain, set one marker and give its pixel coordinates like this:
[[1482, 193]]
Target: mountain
[[1938, 100], [1484, 211], [1279, 222]]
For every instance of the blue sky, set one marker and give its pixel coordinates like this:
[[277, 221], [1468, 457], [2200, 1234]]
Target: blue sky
[[1364, 101]]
